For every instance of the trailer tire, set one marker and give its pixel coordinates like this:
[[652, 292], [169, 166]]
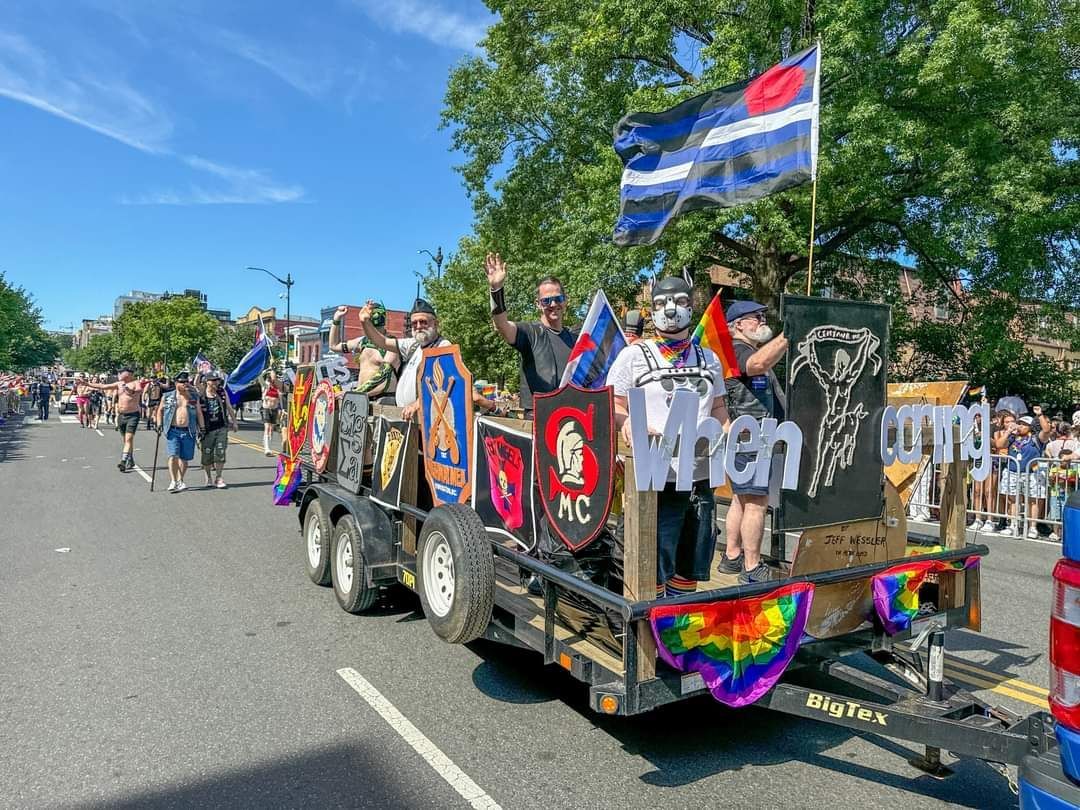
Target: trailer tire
[[348, 569], [318, 532], [456, 571]]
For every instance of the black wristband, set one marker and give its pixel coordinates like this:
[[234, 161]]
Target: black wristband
[[498, 301]]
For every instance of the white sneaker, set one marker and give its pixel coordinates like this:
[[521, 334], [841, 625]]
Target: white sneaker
[[180, 486], [977, 526], [172, 486], [1012, 531], [1053, 538], [1033, 533], [221, 484]]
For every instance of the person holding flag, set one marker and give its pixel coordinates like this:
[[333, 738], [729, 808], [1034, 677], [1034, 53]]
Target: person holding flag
[[685, 526], [545, 345]]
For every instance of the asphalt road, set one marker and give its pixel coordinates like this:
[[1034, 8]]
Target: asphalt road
[[164, 650]]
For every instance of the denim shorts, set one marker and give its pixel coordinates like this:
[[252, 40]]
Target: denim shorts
[[180, 443], [741, 460]]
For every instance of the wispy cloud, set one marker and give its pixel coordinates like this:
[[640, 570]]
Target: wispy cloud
[[298, 74], [428, 20], [108, 105], [242, 187]]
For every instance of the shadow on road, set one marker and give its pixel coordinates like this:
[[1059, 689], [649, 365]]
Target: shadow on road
[[1005, 659], [696, 739], [346, 775], [12, 439]]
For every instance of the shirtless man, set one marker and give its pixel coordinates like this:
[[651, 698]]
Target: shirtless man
[[128, 394], [180, 417], [82, 400], [377, 365]]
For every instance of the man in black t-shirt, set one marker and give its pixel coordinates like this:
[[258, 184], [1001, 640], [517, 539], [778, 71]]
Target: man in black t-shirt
[[544, 345], [218, 417]]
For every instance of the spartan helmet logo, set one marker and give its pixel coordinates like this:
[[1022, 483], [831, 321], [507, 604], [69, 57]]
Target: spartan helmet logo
[[569, 447]]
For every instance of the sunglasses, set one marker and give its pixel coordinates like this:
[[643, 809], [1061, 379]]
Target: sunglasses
[[757, 316], [420, 324], [548, 300]]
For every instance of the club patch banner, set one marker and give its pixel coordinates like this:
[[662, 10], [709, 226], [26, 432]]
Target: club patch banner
[[446, 422], [574, 436], [503, 481], [391, 446], [322, 425], [836, 376], [352, 433], [300, 409]]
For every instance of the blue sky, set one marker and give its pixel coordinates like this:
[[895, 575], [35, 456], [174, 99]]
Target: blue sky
[[151, 144]]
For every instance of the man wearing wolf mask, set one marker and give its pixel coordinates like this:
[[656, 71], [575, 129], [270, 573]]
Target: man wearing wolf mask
[[685, 528]]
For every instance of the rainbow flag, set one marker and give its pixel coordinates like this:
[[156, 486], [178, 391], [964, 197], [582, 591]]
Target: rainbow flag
[[712, 333], [896, 590], [288, 479], [741, 647]]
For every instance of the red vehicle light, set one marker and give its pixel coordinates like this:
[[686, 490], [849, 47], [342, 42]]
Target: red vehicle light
[[1065, 645]]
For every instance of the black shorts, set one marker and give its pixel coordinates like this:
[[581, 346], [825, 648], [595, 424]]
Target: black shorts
[[127, 422], [269, 416]]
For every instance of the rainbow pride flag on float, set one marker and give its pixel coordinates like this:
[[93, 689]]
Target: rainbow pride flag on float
[[288, 479], [896, 590], [741, 647], [712, 333]]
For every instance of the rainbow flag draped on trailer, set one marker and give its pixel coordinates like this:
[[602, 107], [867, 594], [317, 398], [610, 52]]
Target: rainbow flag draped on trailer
[[741, 647], [896, 590]]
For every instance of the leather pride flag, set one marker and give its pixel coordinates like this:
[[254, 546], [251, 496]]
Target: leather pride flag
[[720, 149]]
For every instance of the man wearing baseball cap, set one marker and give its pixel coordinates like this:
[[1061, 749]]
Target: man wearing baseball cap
[[758, 393], [1024, 479], [179, 417], [217, 417]]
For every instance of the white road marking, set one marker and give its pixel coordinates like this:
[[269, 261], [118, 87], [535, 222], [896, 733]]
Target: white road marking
[[69, 420], [443, 766], [141, 472], [63, 550], [99, 433]]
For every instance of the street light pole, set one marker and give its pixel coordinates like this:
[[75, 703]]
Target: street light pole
[[288, 281], [436, 257]]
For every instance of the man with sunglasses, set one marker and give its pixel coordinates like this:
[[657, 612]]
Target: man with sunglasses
[[544, 345], [756, 392]]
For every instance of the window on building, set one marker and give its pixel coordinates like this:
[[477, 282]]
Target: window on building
[[941, 311]]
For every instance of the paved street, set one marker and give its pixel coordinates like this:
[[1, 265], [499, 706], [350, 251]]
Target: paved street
[[168, 650]]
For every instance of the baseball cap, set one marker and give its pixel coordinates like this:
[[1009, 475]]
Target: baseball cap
[[1026, 420], [740, 309], [212, 375], [181, 377]]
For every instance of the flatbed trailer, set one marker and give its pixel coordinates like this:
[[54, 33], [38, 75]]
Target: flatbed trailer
[[470, 584]]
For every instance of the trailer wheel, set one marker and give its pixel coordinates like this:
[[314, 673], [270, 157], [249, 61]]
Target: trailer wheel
[[318, 531], [456, 569], [348, 570]]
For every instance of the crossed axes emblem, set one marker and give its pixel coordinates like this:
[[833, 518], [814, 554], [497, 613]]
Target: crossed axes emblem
[[442, 435]]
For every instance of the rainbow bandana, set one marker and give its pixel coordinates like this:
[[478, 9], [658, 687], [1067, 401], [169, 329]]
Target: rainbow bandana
[[288, 479], [741, 647], [674, 352], [896, 589]]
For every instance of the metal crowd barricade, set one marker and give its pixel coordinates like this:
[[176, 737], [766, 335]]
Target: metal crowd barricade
[[1024, 500]]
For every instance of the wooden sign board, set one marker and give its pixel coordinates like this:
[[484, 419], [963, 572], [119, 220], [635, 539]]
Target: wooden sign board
[[903, 476], [840, 608]]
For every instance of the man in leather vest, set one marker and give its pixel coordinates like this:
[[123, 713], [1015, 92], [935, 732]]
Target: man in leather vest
[[756, 392]]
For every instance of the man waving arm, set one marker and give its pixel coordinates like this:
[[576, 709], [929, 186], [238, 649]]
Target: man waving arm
[[495, 268]]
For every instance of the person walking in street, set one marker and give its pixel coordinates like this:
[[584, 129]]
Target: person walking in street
[[43, 390], [152, 399], [179, 416], [217, 416], [271, 405], [81, 392], [128, 393]]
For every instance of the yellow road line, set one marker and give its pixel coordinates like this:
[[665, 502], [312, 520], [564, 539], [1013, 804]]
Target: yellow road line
[[245, 444], [1004, 680], [979, 683]]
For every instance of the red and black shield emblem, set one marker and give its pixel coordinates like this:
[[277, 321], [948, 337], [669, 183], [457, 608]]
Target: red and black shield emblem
[[574, 437]]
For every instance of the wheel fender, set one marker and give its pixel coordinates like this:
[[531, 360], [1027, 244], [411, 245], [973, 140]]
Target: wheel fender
[[376, 533]]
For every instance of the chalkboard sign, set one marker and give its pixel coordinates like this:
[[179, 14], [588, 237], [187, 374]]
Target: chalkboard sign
[[836, 375], [352, 429]]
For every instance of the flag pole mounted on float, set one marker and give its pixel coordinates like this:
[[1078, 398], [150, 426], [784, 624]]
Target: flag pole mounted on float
[[814, 158]]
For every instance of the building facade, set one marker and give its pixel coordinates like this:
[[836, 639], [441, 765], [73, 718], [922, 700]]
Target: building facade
[[132, 297], [397, 322]]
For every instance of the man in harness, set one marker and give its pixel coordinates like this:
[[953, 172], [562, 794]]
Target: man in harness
[[377, 365], [685, 530]]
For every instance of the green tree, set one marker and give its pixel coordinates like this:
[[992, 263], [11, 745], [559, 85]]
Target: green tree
[[23, 343], [948, 137], [230, 345], [171, 330], [101, 354]]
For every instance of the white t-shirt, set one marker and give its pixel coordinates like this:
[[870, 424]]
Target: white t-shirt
[[1058, 446], [640, 365], [411, 354]]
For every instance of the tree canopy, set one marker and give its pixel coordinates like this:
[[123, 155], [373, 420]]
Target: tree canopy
[[948, 141], [23, 343], [230, 345], [172, 331]]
